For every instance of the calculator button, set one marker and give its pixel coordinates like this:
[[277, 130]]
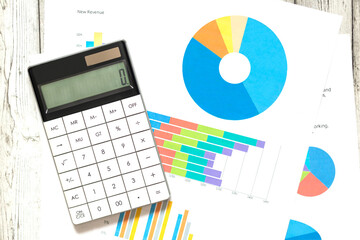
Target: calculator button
[[59, 145], [113, 111], [65, 162], [94, 191], [70, 180], [114, 186], [89, 174], [79, 140], [123, 146], [143, 140], [80, 214], [119, 203], [158, 192], [84, 157], [138, 122], [153, 175], [133, 180], [133, 105], [128, 163], [99, 134], [75, 197], [99, 209], [93, 117], [109, 168], [148, 157], [74, 122], [54, 128], [138, 198], [118, 128], [104, 151]]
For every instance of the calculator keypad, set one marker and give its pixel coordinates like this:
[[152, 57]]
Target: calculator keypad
[[107, 160]]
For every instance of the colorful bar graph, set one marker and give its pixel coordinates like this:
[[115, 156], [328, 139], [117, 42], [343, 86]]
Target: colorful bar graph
[[202, 133], [156, 227]]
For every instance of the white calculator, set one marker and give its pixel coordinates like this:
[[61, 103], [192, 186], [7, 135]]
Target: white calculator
[[99, 133]]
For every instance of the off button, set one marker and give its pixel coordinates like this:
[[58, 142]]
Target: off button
[[133, 105]]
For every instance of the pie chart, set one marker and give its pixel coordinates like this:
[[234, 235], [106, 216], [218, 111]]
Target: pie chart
[[318, 173], [301, 231], [211, 44]]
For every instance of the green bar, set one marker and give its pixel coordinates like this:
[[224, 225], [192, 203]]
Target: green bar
[[220, 141], [178, 171], [239, 138], [197, 160], [195, 168], [172, 145], [193, 134], [211, 131], [178, 163], [210, 147], [184, 140], [193, 151], [182, 156], [196, 176]]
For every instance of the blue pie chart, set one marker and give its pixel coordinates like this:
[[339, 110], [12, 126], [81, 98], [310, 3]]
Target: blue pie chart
[[211, 44]]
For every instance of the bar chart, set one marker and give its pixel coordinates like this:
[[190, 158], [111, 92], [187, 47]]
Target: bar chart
[[89, 39], [208, 155], [160, 222]]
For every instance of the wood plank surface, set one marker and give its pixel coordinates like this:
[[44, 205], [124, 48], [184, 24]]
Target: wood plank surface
[[21, 35]]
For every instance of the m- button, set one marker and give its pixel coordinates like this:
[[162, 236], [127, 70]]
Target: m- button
[[133, 105]]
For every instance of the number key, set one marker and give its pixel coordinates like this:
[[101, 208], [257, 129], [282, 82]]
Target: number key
[[128, 163], [114, 186], [133, 180]]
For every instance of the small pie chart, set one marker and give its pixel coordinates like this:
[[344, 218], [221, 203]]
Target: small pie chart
[[249, 43], [301, 231], [318, 173]]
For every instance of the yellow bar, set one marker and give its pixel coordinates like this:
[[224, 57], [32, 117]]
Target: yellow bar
[[97, 39], [163, 228], [136, 221], [182, 226], [190, 237]]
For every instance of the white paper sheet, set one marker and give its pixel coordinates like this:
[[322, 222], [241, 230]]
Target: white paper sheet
[[157, 38], [335, 213]]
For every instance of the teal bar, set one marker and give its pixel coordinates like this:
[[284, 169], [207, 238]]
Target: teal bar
[[195, 176], [193, 151], [239, 138], [221, 142], [197, 160], [195, 168], [210, 147]]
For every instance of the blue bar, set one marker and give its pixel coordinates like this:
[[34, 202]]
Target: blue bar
[[176, 230], [158, 117], [155, 124], [120, 221], [89, 44], [148, 224]]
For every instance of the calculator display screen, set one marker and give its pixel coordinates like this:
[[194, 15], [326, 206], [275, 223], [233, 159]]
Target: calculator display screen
[[85, 85]]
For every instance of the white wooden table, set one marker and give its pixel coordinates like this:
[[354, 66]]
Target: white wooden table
[[21, 35]]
